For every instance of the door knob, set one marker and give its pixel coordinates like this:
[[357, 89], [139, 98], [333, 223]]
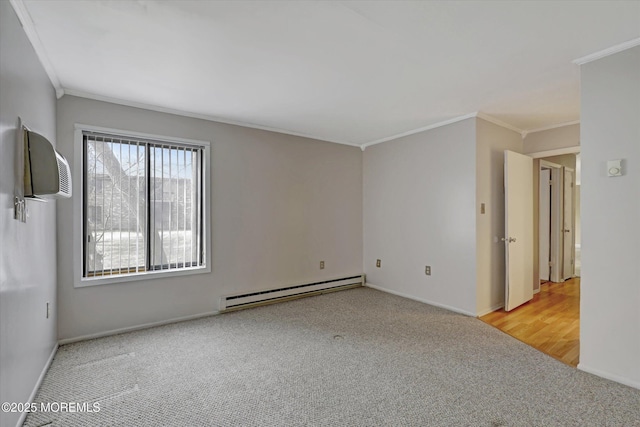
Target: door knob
[[567, 231], [509, 240]]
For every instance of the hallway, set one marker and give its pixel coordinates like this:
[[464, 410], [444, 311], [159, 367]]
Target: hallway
[[550, 322]]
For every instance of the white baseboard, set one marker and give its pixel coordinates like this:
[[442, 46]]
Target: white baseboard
[[609, 376], [36, 387], [135, 328], [425, 301], [490, 309]]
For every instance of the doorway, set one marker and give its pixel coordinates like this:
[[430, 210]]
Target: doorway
[[550, 321], [557, 218], [544, 235], [549, 222]]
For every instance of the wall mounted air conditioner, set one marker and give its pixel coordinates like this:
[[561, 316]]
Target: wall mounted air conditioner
[[46, 172]]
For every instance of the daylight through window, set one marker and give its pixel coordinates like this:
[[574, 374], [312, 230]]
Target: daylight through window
[[142, 204]]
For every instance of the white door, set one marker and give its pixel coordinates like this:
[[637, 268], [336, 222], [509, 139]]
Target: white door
[[544, 254], [567, 225], [518, 194]]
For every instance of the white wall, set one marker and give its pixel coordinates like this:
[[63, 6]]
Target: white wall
[[419, 209], [552, 139], [280, 204], [27, 251], [610, 294], [492, 141]]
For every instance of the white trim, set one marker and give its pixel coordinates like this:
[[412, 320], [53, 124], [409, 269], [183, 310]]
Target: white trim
[[549, 164], [78, 237], [609, 376], [500, 123], [555, 243], [136, 328], [418, 130], [608, 51], [144, 106], [38, 383], [425, 301], [84, 282], [477, 114], [490, 310], [141, 135], [556, 126], [30, 30], [554, 152]]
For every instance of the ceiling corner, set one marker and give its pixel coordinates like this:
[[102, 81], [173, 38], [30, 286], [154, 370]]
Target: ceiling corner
[[500, 123], [608, 51], [29, 28]]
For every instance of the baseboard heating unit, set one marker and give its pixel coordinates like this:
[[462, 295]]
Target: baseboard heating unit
[[252, 299]]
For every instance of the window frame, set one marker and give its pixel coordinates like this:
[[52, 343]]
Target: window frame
[[79, 206]]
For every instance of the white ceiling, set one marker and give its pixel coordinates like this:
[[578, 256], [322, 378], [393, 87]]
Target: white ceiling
[[349, 72]]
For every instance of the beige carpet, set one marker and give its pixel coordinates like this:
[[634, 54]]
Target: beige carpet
[[353, 358]]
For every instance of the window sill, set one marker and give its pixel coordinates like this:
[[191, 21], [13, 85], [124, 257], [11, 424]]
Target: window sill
[[133, 277]]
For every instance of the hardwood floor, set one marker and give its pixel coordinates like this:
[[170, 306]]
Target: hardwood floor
[[550, 322]]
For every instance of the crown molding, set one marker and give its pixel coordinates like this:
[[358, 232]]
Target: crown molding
[[609, 51], [418, 130], [144, 106], [500, 123], [559, 125], [30, 30], [555, 152], [477, 114]]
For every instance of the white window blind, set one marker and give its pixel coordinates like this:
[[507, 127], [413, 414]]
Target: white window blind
[[143, 207]]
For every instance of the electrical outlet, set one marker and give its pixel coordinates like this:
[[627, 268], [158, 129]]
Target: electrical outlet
[[427, 270], [321, 265], [378, 263]]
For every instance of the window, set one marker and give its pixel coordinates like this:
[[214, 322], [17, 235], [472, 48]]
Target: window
[[143, 204]]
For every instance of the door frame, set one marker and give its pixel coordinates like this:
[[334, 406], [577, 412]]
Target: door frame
[[544, 224], [572, 171], [555, 243], [539, 155]]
